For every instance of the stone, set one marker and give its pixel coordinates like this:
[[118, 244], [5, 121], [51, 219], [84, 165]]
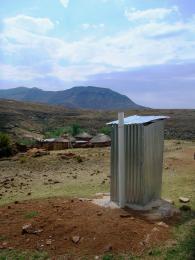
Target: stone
[[170, 201], [29, 229], [108, 248], [125, 215], [147, 239], [4, 244], [155, 229], [184, 199], [48, 242], [162, 224], [99, 214], [75, 239]]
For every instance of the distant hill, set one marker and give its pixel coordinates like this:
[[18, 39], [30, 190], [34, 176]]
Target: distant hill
[[94, 98]]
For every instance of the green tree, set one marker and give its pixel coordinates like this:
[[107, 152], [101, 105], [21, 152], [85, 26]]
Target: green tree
[[76, 129], [5, 145], [106, 130]]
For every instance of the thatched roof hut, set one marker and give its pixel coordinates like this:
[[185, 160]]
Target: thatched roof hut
[[101, 140], [83, 136]]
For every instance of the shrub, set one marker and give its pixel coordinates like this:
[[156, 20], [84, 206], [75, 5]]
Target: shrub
[[5, 146], [106, 130], [79, 159], [76, 129]]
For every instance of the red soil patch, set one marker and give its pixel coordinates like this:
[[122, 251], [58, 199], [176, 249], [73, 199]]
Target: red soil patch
[[99, 229]]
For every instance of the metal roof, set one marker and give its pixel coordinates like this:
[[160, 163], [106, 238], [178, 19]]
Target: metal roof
[[138, 119]]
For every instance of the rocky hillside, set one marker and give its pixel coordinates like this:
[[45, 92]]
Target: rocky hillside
[[26, 119], [94, 98]]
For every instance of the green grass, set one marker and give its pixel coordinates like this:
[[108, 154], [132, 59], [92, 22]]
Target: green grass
[[2, 238], [84, 190], [31, 214], [17, 255], [184, 235]]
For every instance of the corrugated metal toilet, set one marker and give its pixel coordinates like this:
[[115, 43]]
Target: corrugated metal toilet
[[136, 159]]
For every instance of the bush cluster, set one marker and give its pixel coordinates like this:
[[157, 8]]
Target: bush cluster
[[5, 145]]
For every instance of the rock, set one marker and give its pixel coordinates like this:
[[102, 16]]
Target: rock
[[184, 199], [170, 201], [48, 242], [29, 229], [4, 244], [99, 213], [162, 224], [108, 248], [147, 239], [185, 208], [155, 229], [125, 215], [75, 239], [29, 193]]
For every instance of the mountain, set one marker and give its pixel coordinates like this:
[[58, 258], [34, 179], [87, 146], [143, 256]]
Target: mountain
[[94, 98]]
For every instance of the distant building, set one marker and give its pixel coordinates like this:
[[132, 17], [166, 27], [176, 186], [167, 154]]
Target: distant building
[[81, 144], [83, 137], [55, 143], [100, 140]]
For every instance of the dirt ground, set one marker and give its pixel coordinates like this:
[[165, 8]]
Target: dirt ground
[[44, 193], [25, 177], [99, 230]]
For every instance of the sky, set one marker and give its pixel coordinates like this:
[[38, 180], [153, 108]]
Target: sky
[[144, 49]]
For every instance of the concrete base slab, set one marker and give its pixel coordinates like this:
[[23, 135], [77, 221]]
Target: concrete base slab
[[155, 210], [105, 201]]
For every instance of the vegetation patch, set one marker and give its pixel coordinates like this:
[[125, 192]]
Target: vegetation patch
[[18, 255], [5, 145], [31, 214]]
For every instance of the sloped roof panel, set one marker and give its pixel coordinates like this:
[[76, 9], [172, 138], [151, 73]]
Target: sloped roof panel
[[139, 119]]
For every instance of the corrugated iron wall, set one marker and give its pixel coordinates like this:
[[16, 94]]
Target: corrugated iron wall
[[153, 160], [143, 162]]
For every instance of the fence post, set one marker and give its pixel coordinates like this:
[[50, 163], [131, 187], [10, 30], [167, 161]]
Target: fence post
[[121, 160]]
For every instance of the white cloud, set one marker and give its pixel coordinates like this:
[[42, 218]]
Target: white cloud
[[38, 55], [87, 26], [28, 23], [15, 73], [150, 14], [65, 3]]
